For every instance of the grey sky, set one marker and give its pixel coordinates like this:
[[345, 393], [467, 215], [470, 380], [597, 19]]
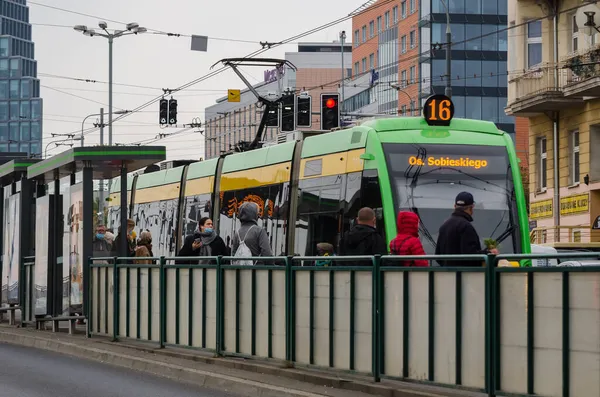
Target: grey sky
[[160, 61]]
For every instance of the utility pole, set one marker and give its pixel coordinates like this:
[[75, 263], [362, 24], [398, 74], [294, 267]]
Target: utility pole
[[342, 41], [448, 52], [101, 182]]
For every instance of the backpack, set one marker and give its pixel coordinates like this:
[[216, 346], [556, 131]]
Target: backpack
[[243, 251], [403, 263]]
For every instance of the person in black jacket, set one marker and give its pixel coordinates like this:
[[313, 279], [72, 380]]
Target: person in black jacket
[[204, 241], [457, 235], [363, 238]]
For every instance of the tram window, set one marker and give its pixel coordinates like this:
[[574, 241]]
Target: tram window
[[196, 207], [371, 196], [319, 213], [272, 201], [352, 200]]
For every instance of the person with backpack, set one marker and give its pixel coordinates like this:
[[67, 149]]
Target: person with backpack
[[407, 240], [250, 240]]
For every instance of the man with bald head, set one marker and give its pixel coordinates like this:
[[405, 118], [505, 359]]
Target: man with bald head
[[363, 238]]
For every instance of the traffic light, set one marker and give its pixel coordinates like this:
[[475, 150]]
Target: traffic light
[[172, 111], [304, 111], [330, 111], [163, 112], [273, 117], [288, 113]]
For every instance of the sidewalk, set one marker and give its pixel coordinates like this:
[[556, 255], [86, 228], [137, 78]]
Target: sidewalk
[[245, 377]]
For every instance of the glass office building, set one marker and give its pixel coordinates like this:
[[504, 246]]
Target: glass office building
[[20, 102], [479, 68]]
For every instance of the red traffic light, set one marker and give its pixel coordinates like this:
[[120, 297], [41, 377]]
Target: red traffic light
[[330, 103]]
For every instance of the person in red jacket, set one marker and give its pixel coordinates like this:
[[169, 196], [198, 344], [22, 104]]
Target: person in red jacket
[[407, 241]]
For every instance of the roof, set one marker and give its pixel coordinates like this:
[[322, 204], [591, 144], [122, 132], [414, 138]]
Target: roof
[[419, 123], [106, 161], [14, 169]]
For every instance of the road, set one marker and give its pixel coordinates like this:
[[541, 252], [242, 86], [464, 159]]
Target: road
[[28, 372]]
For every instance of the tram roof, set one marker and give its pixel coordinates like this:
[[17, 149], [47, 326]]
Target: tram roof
[[12, 170], [106, 161]]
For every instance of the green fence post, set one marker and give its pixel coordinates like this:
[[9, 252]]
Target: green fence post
[[220, 314], [375, 327], [88, 323], [163, 302], [115, 300], [289, 332], [489, 324]]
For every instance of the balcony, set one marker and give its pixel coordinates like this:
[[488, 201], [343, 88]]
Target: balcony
[[583, 73], [537, 90]]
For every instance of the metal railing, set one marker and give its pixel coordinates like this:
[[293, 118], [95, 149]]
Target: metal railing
[[465, 327], [564, 234], [539, 80]]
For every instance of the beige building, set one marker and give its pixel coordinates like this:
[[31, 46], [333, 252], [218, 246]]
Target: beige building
[[554, 80]]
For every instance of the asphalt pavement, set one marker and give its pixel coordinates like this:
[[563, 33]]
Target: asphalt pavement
[[29, 372]]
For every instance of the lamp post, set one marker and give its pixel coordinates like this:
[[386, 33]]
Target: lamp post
[[101, 114], [59, 143], [448, 52], [130, 28]]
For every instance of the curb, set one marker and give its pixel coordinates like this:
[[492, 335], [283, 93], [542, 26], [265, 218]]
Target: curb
[[210, 380]]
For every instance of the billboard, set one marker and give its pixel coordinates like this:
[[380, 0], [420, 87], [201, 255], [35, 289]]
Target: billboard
[[12, 252], [40, 277], [75, 251]]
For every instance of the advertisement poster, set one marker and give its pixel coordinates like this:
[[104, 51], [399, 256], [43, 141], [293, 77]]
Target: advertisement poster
[[65, 191], [75, 218], [40, 277], [12, 252]]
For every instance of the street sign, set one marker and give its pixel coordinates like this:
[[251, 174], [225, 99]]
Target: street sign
[[233, 95]]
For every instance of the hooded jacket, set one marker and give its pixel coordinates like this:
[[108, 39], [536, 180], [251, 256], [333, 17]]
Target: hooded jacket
[[254, 236], [362, 240], [407, 241]]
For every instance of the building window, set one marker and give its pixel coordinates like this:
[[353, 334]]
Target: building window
[[574, 157], [356, 69], [412, 6], [576, 235], [356, 38], [413, 42], [542, 166], [403, 81], [387, 19], [395, 13], [364, 64], [372, 61], [371, 29], [403, 9], [379, 24], [403, 44], [574, 33], [412, 74], [403, 111], [534, 43], [364, 33]]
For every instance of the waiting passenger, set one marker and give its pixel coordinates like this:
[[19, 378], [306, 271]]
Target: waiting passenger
[[407, 240], [325, 250], [100, 246], [363, 238], [457, 236], [144, 248], [131, 240], [110, 239], [250, 238], [204, 242]]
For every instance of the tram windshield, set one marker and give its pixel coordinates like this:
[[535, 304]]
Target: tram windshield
[[426, 178]]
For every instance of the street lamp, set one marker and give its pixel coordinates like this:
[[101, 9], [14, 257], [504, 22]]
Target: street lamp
[[130, 28], [59, 143], [101, 126], [448, 52]]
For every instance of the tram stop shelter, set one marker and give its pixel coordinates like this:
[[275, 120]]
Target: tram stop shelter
[[16, 221], [94, 163]]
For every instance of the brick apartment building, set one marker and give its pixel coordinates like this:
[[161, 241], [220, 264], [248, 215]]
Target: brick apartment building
[[394, 39]]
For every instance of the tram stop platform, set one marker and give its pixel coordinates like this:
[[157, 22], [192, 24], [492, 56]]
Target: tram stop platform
[[244, 377]]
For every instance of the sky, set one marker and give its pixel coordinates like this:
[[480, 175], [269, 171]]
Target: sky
[[158, 61]]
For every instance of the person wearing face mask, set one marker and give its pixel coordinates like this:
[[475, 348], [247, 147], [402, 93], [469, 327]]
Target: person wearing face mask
[[204, 241], [100, 246]]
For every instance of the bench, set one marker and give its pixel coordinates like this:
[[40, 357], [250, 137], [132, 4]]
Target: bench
[[56, 320], [12, 319]]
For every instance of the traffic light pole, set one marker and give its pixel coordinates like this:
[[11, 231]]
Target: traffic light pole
[[110, 89]]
